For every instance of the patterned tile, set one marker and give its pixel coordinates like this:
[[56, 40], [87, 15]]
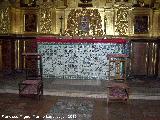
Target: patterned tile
[[78, 61]]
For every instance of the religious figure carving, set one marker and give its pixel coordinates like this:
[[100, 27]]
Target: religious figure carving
[[30, 23], [141, 24], [84, 24]]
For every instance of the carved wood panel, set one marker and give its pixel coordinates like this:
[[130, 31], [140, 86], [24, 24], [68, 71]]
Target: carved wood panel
[[139, 58]]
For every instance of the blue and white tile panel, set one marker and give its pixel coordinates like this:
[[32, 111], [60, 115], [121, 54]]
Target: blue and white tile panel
[[78, 60]]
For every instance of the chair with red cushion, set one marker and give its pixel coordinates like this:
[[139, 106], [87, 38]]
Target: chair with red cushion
[[32, 86]]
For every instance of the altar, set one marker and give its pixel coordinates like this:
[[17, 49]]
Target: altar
[[79, 59]]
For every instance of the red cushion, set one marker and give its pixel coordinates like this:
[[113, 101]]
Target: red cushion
[[31, 82], [30, 89]]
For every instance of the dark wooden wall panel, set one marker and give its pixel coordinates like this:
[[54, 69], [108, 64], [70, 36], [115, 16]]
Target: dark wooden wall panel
[[159, 60], [8, 56], [138, 58], [144, 58], [30, 47]]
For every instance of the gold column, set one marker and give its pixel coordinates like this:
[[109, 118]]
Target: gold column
[[110, 21], [155, 58], [156, 23], [17, 54], [152, 60], [146, 57], [24, 50], [15, 51]]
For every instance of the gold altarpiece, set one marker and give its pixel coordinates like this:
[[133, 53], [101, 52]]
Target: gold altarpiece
[[105, 18], [113, 18]]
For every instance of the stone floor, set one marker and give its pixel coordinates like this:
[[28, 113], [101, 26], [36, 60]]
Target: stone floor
[[13, 105], [143, 103]]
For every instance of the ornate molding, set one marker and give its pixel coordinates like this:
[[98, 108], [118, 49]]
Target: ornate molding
[[121, 19], [4, 21], [45, 17]]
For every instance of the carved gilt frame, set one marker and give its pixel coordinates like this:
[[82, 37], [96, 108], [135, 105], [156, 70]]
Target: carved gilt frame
[[141, 22], [30, 23]]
